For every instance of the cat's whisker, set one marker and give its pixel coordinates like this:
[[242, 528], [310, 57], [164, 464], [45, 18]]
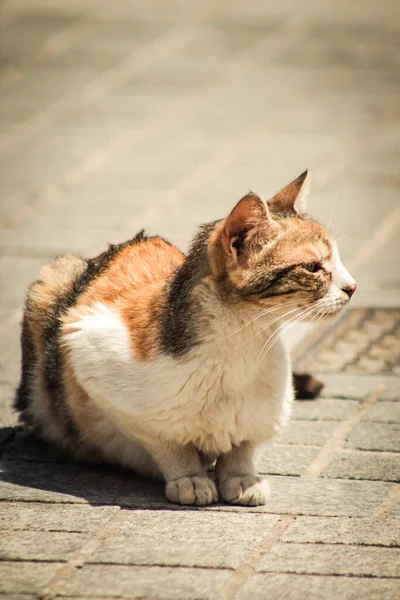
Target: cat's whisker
[[284, 327], [275, 321], [266, 312], [281, 332]]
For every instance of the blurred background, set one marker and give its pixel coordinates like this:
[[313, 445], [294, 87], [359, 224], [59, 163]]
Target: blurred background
[[127, 114]]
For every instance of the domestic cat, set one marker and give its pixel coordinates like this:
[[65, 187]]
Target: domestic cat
[[167, 363]]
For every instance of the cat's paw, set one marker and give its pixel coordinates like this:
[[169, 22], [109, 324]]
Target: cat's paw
[[246, 490], [191, 490]]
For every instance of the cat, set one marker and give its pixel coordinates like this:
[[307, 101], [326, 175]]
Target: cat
[[168, 363]]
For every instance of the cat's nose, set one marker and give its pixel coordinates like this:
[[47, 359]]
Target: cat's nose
[[350, 288]]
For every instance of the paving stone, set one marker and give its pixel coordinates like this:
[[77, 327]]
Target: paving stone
[[375, 436], [307, 433], [278, 459], [364, 340], [383, 412], [39, 545], [145, 582], [38, 482], [339, 530], [290, 587], [325, 497], [25, 577], [377, 466], [332, 560], [191, 539], [33, 516], [323, 409], [360, 386], [55, 483]]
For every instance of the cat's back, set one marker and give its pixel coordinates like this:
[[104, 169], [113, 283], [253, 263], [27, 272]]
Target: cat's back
[[131, 270], [127, 279]]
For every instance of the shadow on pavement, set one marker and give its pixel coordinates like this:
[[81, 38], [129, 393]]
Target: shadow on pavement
[[35, 471]]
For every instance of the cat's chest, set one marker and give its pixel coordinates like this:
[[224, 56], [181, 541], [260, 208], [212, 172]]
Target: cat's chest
[[225, 400], [215, 397]]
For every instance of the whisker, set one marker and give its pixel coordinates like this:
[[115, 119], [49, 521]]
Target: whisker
[[281, 332], [274, 321], [266, 312], [283, 328]]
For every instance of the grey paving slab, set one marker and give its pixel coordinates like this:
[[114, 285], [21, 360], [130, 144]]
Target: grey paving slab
[[383, 412], [62, 483], [39, 545], [375, 436], [325, 497], [25, 577], [290, 587], [36, 516], [308, 433], [332, 560], [191, 539], [339, 530], [51, 482], [279, 459], [378, 466], [323, 409], [145, 582], [359, 386]]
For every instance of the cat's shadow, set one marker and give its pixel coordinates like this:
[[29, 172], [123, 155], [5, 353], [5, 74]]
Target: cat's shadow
[[37, 472]]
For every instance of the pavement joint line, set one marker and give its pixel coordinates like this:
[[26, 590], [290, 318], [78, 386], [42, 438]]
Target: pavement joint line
[[78, 558], [338, 439], [123, 142], [389, 503], [99, 87], [230, 588]]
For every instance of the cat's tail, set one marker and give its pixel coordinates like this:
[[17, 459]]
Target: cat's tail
[[41, 312]]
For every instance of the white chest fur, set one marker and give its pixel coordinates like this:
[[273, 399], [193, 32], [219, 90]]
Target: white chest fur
[[216, 396]]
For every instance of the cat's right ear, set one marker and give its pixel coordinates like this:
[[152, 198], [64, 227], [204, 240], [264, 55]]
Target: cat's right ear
[[249, 216]]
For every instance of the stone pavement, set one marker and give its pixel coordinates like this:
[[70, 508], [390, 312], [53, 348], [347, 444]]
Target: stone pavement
[[118, 115]]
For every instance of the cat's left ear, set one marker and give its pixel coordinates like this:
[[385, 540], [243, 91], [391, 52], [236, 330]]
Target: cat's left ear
[[292, 197], [242, 226]]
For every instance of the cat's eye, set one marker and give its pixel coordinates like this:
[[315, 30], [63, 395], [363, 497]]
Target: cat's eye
[[313, 267]]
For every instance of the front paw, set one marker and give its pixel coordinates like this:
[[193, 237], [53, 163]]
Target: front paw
[[191, 490], [246, 490]]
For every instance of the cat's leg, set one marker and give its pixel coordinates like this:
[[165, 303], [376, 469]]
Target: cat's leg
[[236, 477], [185, 476]]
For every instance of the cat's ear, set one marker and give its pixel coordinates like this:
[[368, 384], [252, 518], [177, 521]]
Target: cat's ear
[[249, 216], [293, 196]]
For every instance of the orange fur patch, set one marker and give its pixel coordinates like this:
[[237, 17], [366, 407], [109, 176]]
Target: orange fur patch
[[132, 285]]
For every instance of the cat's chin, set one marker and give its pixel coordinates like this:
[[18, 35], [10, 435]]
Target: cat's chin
[[334, 312]]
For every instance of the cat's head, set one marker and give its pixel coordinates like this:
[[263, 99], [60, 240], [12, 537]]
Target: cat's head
[[274, 253]]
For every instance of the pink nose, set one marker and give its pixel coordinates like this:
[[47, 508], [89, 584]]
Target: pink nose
[[350, 289]]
